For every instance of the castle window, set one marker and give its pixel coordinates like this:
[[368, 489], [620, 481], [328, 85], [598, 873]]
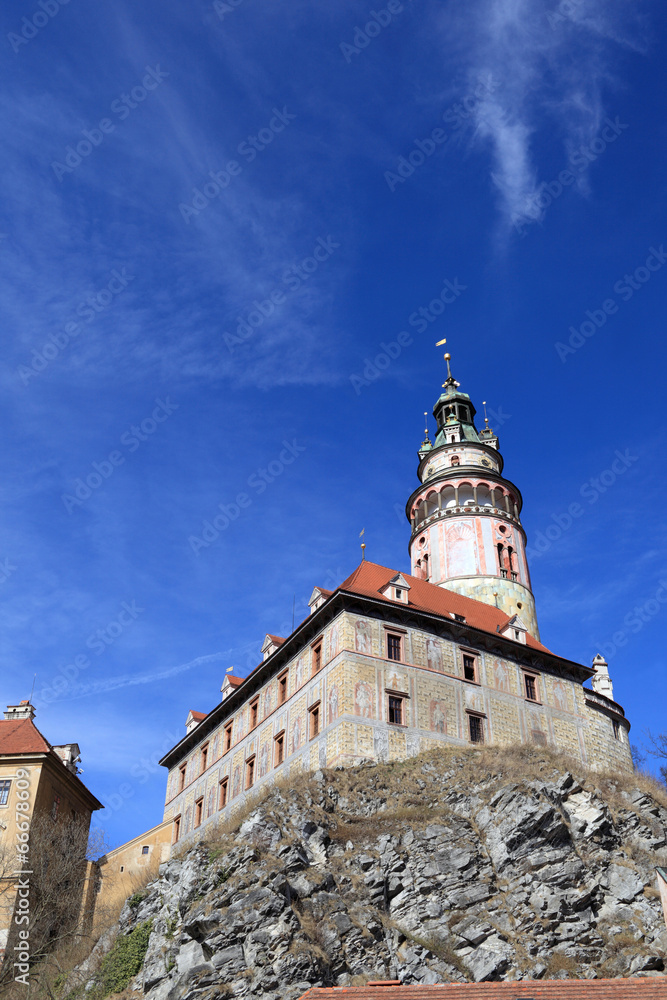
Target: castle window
[[279, 749], [181, 776], [199, 809], [617, 729], [254, 713], [228, 736], [394, 643], [317, 656], [282, 688], [530, 683], [396, 712], [55, 807], [177, 829], [4, 792], [204, 758], [314, 714], [122, 868], [222, 793], [459, 618], [476, 728], [470, 668], [145, 850], [250, 772], [399, 594]]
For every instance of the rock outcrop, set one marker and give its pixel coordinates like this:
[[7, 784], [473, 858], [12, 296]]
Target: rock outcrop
[[476, 865]]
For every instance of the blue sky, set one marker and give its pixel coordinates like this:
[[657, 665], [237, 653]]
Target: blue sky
[[214, 216]]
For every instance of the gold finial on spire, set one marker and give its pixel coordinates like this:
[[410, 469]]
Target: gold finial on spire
[[448, 358], [426, 423], [451, 381], [363, 545], [486, 419]]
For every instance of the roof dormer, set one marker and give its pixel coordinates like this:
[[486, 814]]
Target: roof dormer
[[230, 684], [514, 629], [270, 645], [193, 720], [397, 589], [317, 598]]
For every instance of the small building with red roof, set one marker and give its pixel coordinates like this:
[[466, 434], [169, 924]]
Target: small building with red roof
[[38, 781]]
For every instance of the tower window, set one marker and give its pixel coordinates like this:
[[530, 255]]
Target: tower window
[[199, 809], [456, 460], [617, 729], [181, 776], [222, 793], [469, 667], [250, 772], [145, 850], [476, 728], [228, 736], [530, 683], [204, 758], [317, 656], [254, 713], [279, 749], [395, 713], [314, 713], [393, 646], [177, 829], [282, 688]]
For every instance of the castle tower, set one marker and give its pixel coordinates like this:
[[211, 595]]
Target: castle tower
[[465, 516]]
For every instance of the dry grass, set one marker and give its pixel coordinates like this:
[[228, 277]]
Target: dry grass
[[558, 962]]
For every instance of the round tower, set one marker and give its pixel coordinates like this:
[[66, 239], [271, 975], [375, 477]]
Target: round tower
[[465, 516]]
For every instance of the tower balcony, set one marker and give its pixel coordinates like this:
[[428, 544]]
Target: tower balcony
[[422, 519]]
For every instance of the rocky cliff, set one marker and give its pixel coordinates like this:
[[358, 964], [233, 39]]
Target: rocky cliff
[[469, 865]]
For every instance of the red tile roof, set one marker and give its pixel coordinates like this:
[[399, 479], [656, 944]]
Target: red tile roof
[[197, 715], [369, 579], [234, 681], [278, 639], [21, 736], [649, 988]]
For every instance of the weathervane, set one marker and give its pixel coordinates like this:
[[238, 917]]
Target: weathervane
[[450, 378]]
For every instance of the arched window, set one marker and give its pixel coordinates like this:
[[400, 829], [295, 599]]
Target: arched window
[[448, 497], [426, 568], [466, 495], [484, 498], [431, 504]]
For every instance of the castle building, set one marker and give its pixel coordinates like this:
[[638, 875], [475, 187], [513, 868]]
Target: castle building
[[390, 664]]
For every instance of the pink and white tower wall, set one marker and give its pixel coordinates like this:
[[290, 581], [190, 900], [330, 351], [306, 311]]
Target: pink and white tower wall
[[465, 516]]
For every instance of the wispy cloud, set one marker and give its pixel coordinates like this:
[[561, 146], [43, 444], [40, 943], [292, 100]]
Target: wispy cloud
[[131, 680], [555, 61]]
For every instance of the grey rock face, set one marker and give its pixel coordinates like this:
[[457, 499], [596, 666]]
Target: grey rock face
[[434, 870]]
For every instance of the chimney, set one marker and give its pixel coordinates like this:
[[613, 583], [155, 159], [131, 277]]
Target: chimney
[[601, 681], [22, 711]]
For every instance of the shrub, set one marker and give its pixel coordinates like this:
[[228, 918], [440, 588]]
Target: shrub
[[123, 962]]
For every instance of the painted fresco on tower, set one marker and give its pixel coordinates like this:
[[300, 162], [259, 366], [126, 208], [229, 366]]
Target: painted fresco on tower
[[300, 671], [296, 734], [264, 760], [501, 676], [461, 549], [363, 699], [396, 681], [333, 703], [334, 641], [434, 654], [236, 780], [561, 699], [211, 802], [362, 637], [268, 700], [438, 716]]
